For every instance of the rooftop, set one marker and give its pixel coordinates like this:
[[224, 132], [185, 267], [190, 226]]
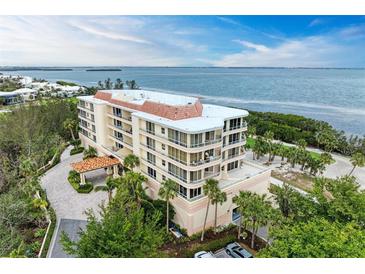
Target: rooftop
[[94, 163]]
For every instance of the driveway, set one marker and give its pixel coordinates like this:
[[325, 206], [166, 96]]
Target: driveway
[[67, 203]]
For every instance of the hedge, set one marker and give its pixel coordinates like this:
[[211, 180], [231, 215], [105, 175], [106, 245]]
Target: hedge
[[74, 180], [76, 150]]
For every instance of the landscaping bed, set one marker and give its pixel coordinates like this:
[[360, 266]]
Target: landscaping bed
[[74, 180], [76, 150], [296, 179], [188, 246]]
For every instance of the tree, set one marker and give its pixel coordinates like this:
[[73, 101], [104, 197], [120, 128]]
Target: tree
[[110, 185], [90, 153], [357, 160], [219, 197], [168, 191], [284, 197], [317, 238], [269, 137], [133, 183], [123, 231], [118, 84], [242, 201], [131, 161], [210, 188], [132, 84], [259, 210], [70, 125]]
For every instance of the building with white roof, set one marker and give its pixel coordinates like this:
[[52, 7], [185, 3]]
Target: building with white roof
[[175, 137]]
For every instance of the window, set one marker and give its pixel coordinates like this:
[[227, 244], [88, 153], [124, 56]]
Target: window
[[195, 192], [151, 172], [92, 117], [234, 138], [117, 112], [118, 145], [196, 139], [91, 106], [162, 130], [163, 178], [163, 162], [195, 175], [183, 191], [209, 136], [93, 127], [178, 172], [177, 137], [234, 123], [177, 155], [150, 143], [233, 152], [151, 158], [232, 165], [118, 135], [94, 138], [163, 146], [150, 127], [117, 123]]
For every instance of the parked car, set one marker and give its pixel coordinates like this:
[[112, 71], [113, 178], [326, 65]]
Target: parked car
[[236, 251], [204, 254], [176, 232]]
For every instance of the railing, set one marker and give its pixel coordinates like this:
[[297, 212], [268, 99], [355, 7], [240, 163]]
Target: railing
[[202, 162], [243, 125], [177, 142], [178, 177], [206, 143], [119, 115], [208, 175], [235, 142], [85, 117]]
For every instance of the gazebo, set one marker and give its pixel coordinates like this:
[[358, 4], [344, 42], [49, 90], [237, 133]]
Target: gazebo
[[90, 164]]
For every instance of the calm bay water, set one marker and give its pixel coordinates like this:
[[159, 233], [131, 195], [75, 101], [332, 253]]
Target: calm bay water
[[333, 95]]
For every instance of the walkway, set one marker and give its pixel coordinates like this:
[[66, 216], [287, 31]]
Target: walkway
[[67, 203]]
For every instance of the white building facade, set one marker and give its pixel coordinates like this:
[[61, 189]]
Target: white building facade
[[175, 137]]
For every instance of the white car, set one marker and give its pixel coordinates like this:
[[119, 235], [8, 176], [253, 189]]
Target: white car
[[203, 254]]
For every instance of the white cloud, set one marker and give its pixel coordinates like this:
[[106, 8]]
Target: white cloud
[[307, 52], [316, 22]]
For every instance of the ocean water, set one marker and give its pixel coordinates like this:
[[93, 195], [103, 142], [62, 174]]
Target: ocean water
[[333, 95]]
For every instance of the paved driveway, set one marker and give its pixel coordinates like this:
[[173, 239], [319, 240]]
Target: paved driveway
[[67, 203]]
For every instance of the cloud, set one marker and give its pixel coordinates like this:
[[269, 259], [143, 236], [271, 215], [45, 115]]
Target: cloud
[[307, 52], [110, 34], [353, 32], [228, 20], [316, 22]]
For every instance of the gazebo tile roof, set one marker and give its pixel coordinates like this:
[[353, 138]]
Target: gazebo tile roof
[[94, 163]]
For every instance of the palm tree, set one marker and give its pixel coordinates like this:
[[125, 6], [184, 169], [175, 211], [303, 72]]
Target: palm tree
[[283, 196], [241, 200], [134, 183], [219, 197], [40, 203], [131, 161], [269, 137], [168, 190], [118, 84], [210, 188], [90, 153], [70, 124], [357, 159], [109, 186]]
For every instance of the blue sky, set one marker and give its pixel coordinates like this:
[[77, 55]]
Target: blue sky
[[274, 41]]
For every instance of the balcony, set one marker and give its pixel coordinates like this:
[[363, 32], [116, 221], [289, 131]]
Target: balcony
[[202, 162], [243, 125]]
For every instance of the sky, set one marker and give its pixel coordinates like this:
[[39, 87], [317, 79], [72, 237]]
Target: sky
[[228, 41]]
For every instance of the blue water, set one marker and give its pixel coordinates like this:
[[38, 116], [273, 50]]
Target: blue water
[[333, 95]]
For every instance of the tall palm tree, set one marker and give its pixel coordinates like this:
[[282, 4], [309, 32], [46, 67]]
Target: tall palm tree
[[133, 181], [357, 160], [168, 191], [241, 200], [210, 188], [131, 161], [283, 197], [269, 137], [219, 197], [70, 124], [109, 186]]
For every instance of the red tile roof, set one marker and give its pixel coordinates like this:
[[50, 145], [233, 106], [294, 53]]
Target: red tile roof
[[158, 109], [94, 163]]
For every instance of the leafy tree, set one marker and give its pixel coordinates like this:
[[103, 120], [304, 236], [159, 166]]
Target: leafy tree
[[242, 201], [357, 160], [168, 191], [110, 185], [210, 188], [284, 197], [317, 238], [124, 231], [132, 84], [90, 153], [131, 161], [70, 125]]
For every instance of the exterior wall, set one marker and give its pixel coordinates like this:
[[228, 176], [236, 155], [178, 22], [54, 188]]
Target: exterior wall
[[189, 213]]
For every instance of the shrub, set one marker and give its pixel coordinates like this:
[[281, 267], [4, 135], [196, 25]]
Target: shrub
[[75, 143], [74, 180], [76, 150]]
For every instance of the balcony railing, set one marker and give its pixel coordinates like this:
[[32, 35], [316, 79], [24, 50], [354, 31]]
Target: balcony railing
[[243, 125], [206, 143], [202, 162]]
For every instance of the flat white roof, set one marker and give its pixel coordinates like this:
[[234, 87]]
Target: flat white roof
[[213, 117], [139, 96], [18, 92]]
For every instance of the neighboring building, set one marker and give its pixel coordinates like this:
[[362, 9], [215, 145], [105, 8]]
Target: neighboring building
[[175, 137], [18, 96]]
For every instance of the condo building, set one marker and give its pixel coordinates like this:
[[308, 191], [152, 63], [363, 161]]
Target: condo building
[[175, 137]]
